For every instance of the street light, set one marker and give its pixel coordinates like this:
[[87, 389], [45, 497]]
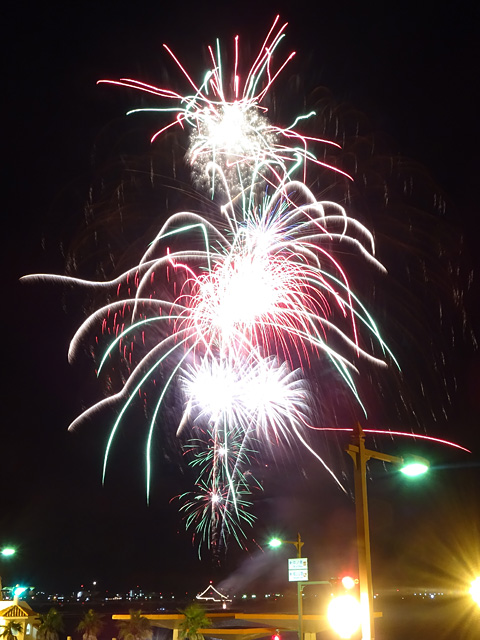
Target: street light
[[412, 466], [298, 544], [343, 614], [475, 590], [277, 542], [18, 591], [6, 552]]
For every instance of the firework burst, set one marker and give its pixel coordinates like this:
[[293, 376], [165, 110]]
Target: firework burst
[[233, 308], [269, 284], [229, 130]]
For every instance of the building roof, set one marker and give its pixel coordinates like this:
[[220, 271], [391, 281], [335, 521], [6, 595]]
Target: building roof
[[212, 594], [15, 609]]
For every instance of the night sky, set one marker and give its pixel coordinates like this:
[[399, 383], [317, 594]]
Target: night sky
[[408, 76]]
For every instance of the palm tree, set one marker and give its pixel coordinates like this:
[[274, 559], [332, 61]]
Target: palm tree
[[10, 630], [195, 619], [136, 628], [91, 625], [51, 624]]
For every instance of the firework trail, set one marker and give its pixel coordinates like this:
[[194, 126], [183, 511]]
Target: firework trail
[[268, 284], [242, 300]]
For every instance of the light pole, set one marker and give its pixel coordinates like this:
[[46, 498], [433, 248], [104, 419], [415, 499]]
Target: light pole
[[360, 456], [6, 552], [276, 542]]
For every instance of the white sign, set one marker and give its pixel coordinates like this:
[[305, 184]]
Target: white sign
[[297, 569]]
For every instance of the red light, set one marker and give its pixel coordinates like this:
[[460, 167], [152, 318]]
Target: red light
[[348, 582], [276, 636]]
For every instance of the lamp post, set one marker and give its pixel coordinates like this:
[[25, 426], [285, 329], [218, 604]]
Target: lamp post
[[360, 456], [276, 542], [6, 552]]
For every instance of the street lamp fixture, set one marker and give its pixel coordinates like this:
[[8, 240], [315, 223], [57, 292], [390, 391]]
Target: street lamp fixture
[[411, 466], [275, 542], [19, 590], [415, 466], [298, 544]]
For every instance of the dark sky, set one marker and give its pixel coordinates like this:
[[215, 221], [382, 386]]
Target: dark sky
[[412, 73]]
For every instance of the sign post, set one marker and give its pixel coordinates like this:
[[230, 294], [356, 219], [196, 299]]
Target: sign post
[[298, 571]]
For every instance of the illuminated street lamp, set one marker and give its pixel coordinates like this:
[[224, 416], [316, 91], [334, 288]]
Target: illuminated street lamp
[[298, 544], [411, 466], [276, 542], [344, 615], [414, 467], [6, 552], [475, 590]]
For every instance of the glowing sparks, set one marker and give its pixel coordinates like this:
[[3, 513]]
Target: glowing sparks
[[250, 312], [230, 133], [232, 308], [259, 396]]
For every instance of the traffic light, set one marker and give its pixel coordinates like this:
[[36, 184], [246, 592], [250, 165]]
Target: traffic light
[[348, 582]]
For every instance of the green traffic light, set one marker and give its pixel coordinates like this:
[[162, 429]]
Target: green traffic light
[[8, 551]]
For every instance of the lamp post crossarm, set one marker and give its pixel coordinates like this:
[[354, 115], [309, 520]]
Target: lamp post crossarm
[[384, 457], [306, 584], [353, 450], [298, 544]]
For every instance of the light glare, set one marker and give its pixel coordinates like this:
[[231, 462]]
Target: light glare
[[414, 469], [275, 542], [348, 582], [343, 614], [475, 590]]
